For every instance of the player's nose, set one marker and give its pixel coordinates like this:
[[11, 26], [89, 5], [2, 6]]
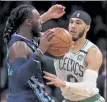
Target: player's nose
[[73, 26]]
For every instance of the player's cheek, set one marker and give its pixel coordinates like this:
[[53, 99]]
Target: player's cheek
[[69, 26], [79, 29]]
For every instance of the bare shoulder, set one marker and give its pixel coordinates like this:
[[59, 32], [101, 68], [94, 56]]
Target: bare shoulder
[[94, 58], [95, 51], [17, 50]]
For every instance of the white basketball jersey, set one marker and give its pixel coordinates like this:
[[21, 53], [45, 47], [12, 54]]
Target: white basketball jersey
[[72, 67]]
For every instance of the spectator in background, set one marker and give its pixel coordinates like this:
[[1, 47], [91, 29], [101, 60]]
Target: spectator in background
[[3, 77], [49, 24], [4, 96], [101, 79], [99, 25], [104, 5], [105, 86], [101, 41], [74, 8], [63, 23], [3, 73]]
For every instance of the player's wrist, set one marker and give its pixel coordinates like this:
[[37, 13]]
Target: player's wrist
[[45, 17], [38, 49], [39, 52], [67, 86], [49, 15], [63, 84]]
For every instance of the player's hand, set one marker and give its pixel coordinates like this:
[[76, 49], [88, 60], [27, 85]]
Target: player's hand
[[72, 45], [44, 40], [54, 80], [56, 11]]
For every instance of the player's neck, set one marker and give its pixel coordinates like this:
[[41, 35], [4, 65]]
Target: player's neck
[[79, 44], [25, 33]]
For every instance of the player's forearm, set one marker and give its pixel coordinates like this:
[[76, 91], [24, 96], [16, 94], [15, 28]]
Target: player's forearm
[[45, 17], [25, 68], [78, 88], [86, 86]]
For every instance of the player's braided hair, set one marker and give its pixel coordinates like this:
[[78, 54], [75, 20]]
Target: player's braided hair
[[17, 16]]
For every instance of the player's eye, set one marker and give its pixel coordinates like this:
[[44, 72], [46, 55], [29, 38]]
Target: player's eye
[[78, 23], [71, 22]]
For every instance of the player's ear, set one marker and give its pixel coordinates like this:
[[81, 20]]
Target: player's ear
[[88, 27], [28, 22]]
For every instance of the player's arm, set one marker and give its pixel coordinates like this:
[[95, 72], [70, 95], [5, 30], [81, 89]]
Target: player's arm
[[55, 11], [94, 61], [23, 67]]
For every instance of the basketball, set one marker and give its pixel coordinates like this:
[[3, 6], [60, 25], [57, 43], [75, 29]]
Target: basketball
[[64, 42]]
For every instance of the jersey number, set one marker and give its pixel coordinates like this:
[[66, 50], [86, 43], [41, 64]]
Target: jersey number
[[71, 78]]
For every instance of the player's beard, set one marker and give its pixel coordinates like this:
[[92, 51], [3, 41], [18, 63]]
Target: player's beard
[[79, 36], [36, 29]]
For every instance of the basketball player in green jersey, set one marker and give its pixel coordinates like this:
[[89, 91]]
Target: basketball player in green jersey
[[77, 72]]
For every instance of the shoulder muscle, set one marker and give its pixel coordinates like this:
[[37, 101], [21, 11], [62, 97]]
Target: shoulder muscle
[[17, 50], [94, 58]]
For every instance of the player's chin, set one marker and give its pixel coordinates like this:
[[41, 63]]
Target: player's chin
[[73, 34], [74, 38]]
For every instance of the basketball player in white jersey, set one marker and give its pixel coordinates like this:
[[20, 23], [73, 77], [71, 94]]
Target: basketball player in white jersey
[[77, 71]]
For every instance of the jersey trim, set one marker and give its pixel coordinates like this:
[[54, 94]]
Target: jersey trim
[[76, 53], [87, 53]]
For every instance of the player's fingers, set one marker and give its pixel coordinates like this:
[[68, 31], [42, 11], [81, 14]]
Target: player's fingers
[[50, 35], [48, 32], [50, 83], [52, 42], [61, 14], [64, 7], [48, 78], [72, 46], [72, 42], [61, 6], [49, 74], [61, 9]]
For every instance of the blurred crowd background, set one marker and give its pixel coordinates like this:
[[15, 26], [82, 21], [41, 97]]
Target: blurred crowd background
[[97, 34]]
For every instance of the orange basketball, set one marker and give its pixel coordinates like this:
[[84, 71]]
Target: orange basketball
[[64, 42]]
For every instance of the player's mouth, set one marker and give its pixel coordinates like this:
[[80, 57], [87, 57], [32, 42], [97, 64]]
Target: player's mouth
[[73, 32]]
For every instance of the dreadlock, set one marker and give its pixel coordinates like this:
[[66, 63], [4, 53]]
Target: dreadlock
[[17, 16]]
